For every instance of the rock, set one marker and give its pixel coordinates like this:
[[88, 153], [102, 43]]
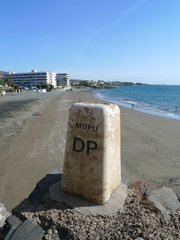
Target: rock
[[3, 214], [165, 200], [138, 189], [14, 223], [27, 230]]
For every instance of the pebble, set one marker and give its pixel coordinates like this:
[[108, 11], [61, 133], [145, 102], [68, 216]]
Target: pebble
[[134, 222]]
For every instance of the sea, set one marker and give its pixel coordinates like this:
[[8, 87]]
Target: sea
[[159, 100]]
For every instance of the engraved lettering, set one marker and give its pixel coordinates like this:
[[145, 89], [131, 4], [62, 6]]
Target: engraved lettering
[[85, 126], [94, 129], [78, 145], [91, 145], [78, 125], [89, 127]]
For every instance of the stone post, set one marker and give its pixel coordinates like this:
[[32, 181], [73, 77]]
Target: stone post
[[92, 164]]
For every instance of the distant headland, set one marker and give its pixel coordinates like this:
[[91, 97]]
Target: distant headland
[[102, 84]]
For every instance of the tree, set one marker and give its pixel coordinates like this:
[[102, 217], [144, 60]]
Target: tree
[[1, 81], [8, 82], [84, 83]]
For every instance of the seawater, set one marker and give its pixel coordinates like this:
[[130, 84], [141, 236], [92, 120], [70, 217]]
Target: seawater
[[160, 100]]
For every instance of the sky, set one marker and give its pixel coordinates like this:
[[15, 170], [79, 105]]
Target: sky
[[121, 40]]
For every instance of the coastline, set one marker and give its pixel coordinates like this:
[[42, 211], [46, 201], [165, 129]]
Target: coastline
[[150, 145], [154, 103]]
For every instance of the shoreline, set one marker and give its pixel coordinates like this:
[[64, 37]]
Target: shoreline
[[139, 107], [150, 145]]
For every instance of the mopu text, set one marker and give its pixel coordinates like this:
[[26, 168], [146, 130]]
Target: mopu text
[[85, 126]]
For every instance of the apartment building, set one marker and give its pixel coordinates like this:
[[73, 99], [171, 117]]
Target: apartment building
[[63, 79], [33, 78]]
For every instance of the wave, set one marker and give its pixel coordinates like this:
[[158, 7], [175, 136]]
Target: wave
[[166, 111]]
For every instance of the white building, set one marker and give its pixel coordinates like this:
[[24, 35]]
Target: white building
[[63, 79], [33, 78]]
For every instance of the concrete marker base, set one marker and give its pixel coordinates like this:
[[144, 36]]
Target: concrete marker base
[[85, 207]]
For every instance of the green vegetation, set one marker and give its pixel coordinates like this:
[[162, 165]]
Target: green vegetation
[[7, 84]]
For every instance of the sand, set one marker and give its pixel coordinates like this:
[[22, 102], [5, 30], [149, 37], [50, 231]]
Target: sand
[[32, 139]]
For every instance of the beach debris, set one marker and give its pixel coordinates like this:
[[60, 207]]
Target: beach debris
[[171, 180], [3, 214], [165, 200], [36, 114]]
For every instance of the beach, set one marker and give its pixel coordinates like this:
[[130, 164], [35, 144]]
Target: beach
[[33, 130]]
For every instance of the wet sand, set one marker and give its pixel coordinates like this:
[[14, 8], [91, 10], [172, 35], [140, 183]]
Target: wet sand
[[32, 139]]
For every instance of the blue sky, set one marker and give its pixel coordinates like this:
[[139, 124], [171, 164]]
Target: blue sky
[[126, 40]]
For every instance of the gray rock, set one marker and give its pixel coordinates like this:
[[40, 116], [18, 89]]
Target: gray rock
[[27, 230], [3, 214], [165, 200], [14, 222]]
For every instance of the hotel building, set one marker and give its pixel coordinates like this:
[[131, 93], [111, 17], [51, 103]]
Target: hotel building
[[63, 79], [33, 78]]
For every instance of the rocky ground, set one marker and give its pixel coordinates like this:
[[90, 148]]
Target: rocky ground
[[139, 220], [136, 221]]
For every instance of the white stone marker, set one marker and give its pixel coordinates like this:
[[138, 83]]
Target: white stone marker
[[92, 163]]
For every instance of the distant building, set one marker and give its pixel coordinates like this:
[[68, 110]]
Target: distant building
[[33, 78], [63, 79]]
